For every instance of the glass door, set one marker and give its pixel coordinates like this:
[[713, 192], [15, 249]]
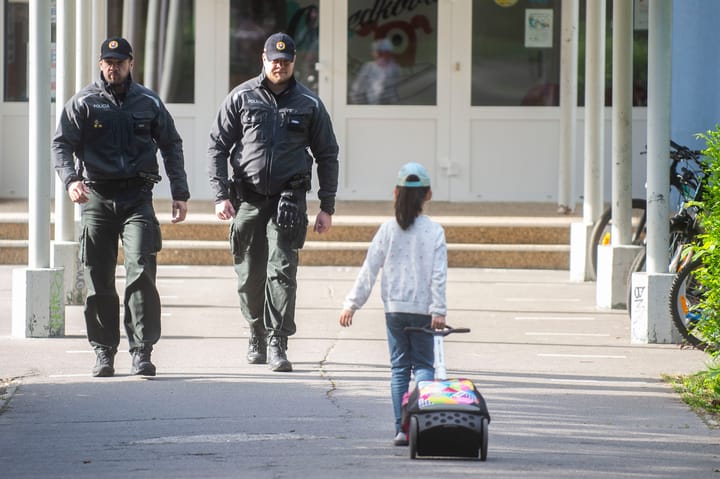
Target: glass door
[[385, 96], [251, 22]]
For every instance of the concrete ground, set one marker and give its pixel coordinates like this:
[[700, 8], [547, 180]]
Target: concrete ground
[[569, 396]]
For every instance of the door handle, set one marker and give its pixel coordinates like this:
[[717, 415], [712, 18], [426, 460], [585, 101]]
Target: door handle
[[450, 168]]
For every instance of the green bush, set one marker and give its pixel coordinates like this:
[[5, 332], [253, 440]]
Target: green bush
[[708, 246]]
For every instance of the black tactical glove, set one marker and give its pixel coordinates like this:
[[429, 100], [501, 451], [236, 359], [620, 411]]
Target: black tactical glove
[[288, 213]]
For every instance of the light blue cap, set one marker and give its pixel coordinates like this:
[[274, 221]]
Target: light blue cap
[[413, 169]]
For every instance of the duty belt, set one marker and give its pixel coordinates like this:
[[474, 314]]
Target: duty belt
[[112, 186]]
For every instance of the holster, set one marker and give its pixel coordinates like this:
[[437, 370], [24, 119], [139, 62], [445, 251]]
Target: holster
[[235, 190]]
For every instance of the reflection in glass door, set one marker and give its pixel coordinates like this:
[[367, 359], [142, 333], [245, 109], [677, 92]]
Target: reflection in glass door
[[392, 53], [251, 22]]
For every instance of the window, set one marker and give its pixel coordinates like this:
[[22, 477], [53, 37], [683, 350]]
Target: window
[[392, 53], [16, 50], [172, 62], [516, 53], [251, 22], [164, 47], [640, 51]]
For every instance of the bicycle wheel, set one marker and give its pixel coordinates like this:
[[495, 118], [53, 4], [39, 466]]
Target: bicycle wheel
[[600, 234], [683, 231], [685, 294]]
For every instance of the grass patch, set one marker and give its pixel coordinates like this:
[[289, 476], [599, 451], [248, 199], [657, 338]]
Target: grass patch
[[700, 391]]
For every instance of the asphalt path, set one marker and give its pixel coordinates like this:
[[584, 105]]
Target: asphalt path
[[569, 396]]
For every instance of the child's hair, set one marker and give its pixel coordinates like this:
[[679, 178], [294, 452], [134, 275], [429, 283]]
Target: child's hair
[[409, 203]]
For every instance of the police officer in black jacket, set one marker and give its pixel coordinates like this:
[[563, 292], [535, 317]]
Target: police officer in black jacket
[[270, 128], [114, 128]]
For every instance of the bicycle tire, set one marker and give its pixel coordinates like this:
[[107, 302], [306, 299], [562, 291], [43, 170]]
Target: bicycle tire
[[679, 238], [601, 225], [685, 293]]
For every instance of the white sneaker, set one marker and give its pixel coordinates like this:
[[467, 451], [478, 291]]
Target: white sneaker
[[400, 439]]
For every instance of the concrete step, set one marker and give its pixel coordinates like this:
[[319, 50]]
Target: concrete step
[[342, 253], [538, 240]]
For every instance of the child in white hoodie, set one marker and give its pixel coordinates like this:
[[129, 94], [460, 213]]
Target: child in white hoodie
[[412, 253]]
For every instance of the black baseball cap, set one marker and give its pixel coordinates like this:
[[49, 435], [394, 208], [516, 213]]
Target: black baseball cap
[[116, 47], [280, 46]]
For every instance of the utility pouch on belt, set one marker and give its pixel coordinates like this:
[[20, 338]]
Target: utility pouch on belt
[[149, 180], [300, 182], [288, 213], [150, 177], [235, 189]]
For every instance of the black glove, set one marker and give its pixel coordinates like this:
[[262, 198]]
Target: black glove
[[288, 213]]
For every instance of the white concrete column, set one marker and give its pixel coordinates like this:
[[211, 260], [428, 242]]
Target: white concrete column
[[614, 260], [151, 45], [169, 55], [98, 27], [594, 110], [65, 250], [568, 101], [85, 67], [621, 230], [64, 88], [580, 262], [38, 304], [39, 135], [650, 318], [652, 323], [658, 125], [616, 265]]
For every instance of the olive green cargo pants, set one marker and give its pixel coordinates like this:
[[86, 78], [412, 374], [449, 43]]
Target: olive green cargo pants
[[266, 261], [128, 215]]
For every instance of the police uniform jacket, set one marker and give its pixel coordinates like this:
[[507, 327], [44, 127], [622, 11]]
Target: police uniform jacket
[[266, 137], [118, 140]]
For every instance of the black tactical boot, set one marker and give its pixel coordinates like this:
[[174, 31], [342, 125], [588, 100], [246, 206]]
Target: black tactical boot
[[277, 359], [141, 364], [104, 363], [257, 350]]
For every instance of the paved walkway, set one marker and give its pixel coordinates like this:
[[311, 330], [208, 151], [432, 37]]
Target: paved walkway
[[569, 395]]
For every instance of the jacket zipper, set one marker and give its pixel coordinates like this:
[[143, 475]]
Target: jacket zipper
[[272, 143]]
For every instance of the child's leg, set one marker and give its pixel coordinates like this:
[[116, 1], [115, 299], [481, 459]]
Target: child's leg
[[400, 362], [421, 349]]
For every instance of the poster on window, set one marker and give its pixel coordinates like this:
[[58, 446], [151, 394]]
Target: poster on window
[[640, 16], [538, 28]]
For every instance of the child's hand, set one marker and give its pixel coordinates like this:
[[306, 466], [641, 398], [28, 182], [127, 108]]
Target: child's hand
[[346, 317], [438, 322]]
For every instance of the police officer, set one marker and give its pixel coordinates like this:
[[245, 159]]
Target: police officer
[[114, 128], [270, 128]]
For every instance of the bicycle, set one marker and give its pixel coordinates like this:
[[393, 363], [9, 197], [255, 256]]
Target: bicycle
[[685, 295], [683, 171], [684, 226]]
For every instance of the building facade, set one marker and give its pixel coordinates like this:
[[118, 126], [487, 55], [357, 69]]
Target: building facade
[[469, 88]]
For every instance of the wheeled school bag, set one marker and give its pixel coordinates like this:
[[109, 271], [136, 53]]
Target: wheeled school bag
[[446, 417]]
